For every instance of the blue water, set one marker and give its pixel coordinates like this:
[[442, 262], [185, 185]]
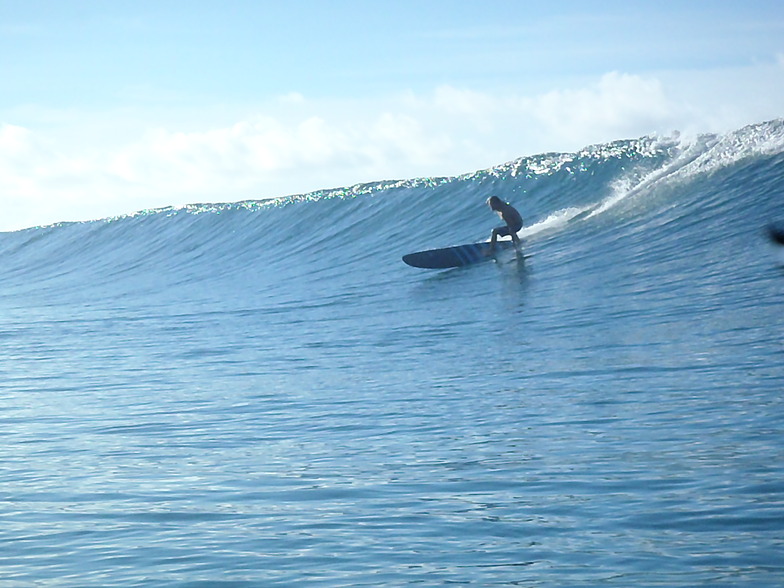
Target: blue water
[[263, 394]]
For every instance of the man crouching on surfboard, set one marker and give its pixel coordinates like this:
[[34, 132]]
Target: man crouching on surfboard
[[512, 218]]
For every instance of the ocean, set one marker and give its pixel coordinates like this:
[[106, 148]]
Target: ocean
[[263, 394]]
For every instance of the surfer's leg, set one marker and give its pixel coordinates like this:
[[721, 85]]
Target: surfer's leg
[[513, 231], [493, 238]]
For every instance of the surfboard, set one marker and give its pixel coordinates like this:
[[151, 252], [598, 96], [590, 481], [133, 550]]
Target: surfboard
[[456, 256]]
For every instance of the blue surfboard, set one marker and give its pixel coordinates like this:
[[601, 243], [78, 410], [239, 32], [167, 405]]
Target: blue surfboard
[[456, 256]]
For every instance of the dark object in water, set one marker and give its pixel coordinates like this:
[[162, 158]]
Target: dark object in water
[[776, 232]]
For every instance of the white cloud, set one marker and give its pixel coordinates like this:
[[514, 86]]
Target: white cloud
[[617, 102], [36, 180], [293, 144], [464, 102], [617, 105]]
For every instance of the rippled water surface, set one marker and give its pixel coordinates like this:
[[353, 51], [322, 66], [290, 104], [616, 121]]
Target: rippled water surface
[[195, 398]]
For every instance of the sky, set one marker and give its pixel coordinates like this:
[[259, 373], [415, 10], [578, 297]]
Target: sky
[[107, 108]]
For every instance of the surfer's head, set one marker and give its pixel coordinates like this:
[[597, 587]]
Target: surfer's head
[[494, 202]]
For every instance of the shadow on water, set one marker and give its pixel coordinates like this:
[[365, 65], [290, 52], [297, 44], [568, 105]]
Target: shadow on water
[[508, 276], [515, 278]]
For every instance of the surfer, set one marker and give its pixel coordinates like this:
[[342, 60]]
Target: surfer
[[512, 218]]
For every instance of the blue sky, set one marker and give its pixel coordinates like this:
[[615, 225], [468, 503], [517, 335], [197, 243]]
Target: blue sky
[[111, 107]]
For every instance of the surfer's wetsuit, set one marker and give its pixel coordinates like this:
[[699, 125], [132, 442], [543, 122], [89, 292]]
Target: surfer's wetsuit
[[512, 218]]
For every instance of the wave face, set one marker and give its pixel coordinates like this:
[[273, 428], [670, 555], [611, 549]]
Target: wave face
[[262, 391]]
